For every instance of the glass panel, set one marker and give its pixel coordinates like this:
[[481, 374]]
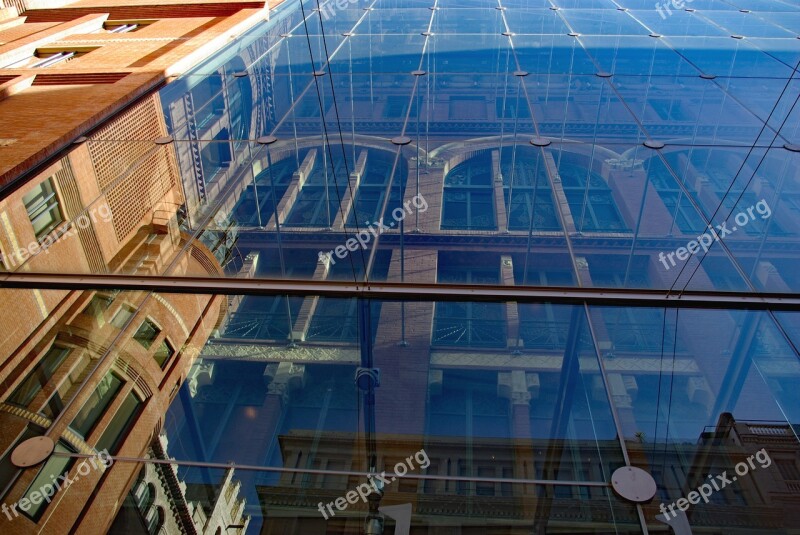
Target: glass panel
[[643, 149], [301, 501]]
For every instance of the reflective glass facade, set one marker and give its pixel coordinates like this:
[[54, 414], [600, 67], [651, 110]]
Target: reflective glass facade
[[507, 247]]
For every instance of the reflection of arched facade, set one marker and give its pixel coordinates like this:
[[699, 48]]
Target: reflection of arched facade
[[317, 186], [518, 187]]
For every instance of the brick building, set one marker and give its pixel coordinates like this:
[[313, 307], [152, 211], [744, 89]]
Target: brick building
[[392, 226], [97, 370]]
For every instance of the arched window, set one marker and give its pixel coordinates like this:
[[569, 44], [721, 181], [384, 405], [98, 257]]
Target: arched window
[[154, 519], [590, 199], [469, 195], [145, 493], [526, 190]]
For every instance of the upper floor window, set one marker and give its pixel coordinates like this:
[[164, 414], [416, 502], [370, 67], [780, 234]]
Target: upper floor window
[[469, 195], [371, 192], [590, 199], [154, 517], [526, 190], [53, 468], [317, 203], [147, 333], [121, 424], [43, 210], [94, 408], [47, 57], [125, 26], [469, 324], [121, 316], [39, 376], [163, 353]]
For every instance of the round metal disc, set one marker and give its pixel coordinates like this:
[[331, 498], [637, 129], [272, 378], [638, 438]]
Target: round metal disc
[[690, 10], [163, 140], [744, 11], [540, 142], [266, 140], [32, 452], [507, 34], [622, 9], [319, 73], [401, 140], [633, 484], [426, 34], [791, 147], [652, 144], [285, 35], [574, 34], [240, 74], [500, 8], [348, 34], [419, 73], [603, 74], [554, 8], [521, 73], [705, 76], [738, 36], [655, 35]]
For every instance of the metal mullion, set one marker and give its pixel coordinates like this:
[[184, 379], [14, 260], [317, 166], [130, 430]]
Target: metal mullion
[[551, 178], [324, 65], [365, 475], [410, 292], [641, 127], [612, 406], [391, 178], [723, 89], [42, 203]]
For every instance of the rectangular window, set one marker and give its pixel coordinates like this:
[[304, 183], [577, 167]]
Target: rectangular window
[[43, 210], [468, 108], [94, 408], [7, 470], [54, 468], [121, 424], [68, 387], [126, 26], [163, 353], [39, 377], [49, 56], [468, 324], [98, 306], [121, 317], [397, 106], [147, 333]]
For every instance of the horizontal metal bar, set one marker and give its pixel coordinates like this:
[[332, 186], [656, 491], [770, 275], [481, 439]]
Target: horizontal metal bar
[[407, 291], [281, 469]]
